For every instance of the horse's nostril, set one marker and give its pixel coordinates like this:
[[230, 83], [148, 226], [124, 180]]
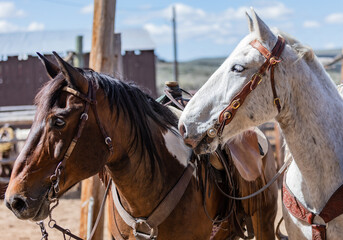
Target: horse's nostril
[[17, 204]]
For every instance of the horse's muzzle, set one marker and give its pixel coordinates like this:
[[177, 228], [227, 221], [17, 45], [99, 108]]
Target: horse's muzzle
[[24, 208]]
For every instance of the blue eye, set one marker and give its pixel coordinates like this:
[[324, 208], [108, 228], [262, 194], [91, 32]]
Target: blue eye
[[237, 68]]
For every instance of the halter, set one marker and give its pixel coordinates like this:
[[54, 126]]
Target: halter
[[90, 101], [272, 59]]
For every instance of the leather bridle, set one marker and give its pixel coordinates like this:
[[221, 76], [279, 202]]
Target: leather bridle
[[90, 101], [52, 195], [272, 59]]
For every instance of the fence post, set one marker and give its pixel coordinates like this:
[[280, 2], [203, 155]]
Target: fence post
[[101, 60]]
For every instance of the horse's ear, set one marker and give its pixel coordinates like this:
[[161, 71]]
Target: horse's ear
[[250, 22], [73, 76], [262, 30], [50, 67]]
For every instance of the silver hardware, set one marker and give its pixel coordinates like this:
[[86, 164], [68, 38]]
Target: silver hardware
[[212, 132], [84, 116]]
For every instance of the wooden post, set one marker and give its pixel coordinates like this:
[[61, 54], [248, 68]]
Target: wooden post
[[79, 53], [101, 60], [176, 70]]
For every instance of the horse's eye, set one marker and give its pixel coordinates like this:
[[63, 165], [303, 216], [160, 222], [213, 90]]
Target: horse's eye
[[237, 68], [58, 123]]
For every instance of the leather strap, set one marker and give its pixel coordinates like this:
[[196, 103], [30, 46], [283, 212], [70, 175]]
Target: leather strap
[[90, 100], [272, 59], [332, 209], [147, 228]]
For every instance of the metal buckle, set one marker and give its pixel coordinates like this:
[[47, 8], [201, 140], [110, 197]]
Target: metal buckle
[[255, 76], [277, 100], [108, 141], [212, 132], [236, 104], [273, 61], [137, 233], [227, 115], [84, 116]]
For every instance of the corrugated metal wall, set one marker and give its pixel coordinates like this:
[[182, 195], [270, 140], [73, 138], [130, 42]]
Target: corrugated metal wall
[[20, 80]]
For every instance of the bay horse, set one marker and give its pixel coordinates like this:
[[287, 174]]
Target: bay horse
[[303, 99], [126, 136]]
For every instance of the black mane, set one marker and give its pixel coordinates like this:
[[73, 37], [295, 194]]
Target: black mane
[[127, 99]]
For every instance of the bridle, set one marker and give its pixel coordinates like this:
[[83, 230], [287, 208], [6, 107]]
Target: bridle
[[90, 102], [272, 59]]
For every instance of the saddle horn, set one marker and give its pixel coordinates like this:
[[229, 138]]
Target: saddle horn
[[51, 69]]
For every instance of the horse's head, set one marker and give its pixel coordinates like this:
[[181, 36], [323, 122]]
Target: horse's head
[[50, 155], [201, 120]]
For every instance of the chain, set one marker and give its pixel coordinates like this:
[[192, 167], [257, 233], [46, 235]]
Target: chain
[[53, 203], [43, 230]]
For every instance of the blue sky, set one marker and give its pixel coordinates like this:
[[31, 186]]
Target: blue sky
[[205, 28]]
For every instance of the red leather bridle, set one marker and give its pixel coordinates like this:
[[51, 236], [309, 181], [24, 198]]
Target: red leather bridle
[[272, 59]]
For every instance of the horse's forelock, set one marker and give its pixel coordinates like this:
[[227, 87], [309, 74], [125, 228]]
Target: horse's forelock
[[48, 94]]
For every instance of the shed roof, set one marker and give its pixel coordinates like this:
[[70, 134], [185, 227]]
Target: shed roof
[[28, 43]]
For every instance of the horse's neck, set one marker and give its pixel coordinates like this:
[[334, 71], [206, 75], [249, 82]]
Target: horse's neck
[[311, 123], [139, 192]]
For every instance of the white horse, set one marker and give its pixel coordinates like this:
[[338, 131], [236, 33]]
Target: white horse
[[311, 119]]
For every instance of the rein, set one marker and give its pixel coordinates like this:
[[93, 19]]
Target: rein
[[272, 59], [90, 101]]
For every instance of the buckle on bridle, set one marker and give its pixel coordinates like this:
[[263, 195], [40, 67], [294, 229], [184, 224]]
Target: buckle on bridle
[[108, 141], [257, 75], [212, 132], [140, 222], [236, 104], [84, 116], [277, 101], [273, 61]]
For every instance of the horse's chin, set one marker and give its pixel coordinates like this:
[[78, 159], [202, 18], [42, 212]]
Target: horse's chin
[[204, 147], [43, 211]]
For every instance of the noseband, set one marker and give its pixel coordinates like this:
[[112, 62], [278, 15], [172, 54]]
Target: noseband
[[272, 59], [90, 101]]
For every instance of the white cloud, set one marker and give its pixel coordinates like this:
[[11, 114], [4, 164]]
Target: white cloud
[[277, 10], [6, 26], [223, 27], [335, 18], [35, 26], [9, 10], [311, 24], [330, 45], [87, 9]]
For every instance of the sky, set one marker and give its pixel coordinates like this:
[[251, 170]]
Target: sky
[[205, 28]]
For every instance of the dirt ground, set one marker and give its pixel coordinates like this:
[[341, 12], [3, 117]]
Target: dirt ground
[[67, 214]]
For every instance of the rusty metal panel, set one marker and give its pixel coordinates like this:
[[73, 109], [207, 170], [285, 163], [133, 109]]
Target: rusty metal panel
[[140, 68], [20, 80]]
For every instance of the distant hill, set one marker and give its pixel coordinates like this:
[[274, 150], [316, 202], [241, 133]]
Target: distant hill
[[193, 74]]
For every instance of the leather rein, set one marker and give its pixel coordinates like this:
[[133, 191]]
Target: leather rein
[[272, 59], [90, 102]]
